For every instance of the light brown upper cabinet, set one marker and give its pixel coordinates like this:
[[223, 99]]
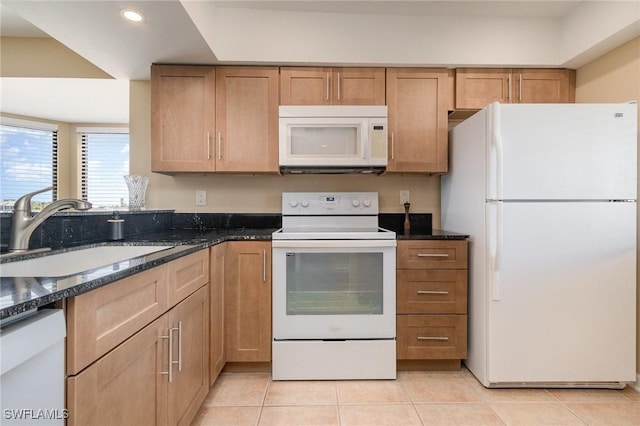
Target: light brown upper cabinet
[[417, 101], [246, 119], [332, 86], [182, 118], [207, 119], [478, 87]]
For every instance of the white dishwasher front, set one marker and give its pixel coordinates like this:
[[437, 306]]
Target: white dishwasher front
[[32, 369]]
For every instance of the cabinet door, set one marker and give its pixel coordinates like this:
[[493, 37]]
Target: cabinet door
[[182, 118], [125, 387], [478, 87], [189, 322], [417, 101], [305, 86], [246, 119], [248, 301], [358, 86], [544, 86], [216, 286]]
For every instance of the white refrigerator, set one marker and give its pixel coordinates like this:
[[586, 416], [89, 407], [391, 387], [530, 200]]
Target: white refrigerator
[[547, 193]]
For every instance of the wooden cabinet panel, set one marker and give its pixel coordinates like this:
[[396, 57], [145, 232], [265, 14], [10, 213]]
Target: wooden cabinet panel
[[432, 336], [187, 274], [545, 86], [431, 291], [101, 319], [216, 284], [125, 386], [182, 118], [246, 119], [189, 321], [420, 254], [248, 301], [478, 87], [417, 102], [332, 86]]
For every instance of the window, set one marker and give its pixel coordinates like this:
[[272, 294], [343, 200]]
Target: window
[[105, 162], [28, 161]]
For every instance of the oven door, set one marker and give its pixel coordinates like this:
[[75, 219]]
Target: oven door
[[334, 289]]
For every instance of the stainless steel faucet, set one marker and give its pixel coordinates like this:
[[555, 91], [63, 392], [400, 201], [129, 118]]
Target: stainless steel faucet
[[23, 223]]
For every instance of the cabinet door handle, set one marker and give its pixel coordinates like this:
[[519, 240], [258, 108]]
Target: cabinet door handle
[[432, 292], [169, 371], [519, 87], [219, 145], [509, 87], [393, 147], [328, 85], [208, 146], [179, 330], [433, 255], [442, 338], [264, 266], [338, 86]]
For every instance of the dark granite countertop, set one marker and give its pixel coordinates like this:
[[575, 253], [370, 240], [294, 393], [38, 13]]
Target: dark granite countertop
[[21, 294], [18, 295]]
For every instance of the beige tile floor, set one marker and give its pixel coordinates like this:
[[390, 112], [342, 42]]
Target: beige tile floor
[[415, 398]]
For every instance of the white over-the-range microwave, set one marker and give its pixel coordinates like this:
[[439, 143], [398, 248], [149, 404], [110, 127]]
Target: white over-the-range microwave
[[333, 139]]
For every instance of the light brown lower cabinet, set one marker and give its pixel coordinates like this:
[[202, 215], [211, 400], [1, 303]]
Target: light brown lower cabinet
[[216, 283], [247, 293], [431, 307], [160, 376]]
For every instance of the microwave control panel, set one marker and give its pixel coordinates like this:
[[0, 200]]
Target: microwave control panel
[[378, 140]]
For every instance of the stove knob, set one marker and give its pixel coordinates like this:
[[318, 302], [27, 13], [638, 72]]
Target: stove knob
[[293, 203], [367, 203], [355, 203], [305, 203]]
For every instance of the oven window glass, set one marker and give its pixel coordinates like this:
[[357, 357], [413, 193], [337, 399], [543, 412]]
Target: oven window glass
[[339, 141], [334, 283]]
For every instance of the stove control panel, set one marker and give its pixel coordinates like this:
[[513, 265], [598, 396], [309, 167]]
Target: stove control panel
[[329, 203]]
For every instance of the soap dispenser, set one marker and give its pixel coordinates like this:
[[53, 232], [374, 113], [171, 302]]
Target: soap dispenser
[[116, 228]]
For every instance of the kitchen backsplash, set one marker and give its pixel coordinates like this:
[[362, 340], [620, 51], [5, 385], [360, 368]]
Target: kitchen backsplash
[[68, 229]]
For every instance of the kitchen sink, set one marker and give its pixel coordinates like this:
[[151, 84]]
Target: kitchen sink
[[75, 261]]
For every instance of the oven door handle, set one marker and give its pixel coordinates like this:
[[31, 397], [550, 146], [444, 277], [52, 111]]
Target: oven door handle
[[333, 243]]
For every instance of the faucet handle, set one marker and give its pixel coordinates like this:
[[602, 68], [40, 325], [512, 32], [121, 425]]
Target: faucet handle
[[24, 203]]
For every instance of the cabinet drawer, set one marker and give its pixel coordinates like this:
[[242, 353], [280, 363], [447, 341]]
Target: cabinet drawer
[[430, 254], [187, 274], [103, 318], [431, 291], [431, 336]]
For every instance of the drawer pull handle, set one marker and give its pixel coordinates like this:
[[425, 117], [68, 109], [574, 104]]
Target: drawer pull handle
[[444, 338], [432, 292], [433, 255]]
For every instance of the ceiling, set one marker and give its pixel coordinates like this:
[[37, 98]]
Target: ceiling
[[382, 33]]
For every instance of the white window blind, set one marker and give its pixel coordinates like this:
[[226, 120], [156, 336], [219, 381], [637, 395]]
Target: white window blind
[[28, 162], [105, 162]]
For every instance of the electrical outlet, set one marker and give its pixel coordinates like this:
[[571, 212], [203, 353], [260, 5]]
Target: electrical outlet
[[201, 198], [404, 197]]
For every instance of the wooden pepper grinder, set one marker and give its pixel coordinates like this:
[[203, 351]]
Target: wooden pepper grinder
[[407, 223]]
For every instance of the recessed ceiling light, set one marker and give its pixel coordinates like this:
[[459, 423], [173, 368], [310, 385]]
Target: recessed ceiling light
[[132, 15]]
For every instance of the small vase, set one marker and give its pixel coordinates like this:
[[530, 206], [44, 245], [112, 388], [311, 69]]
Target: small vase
[[137, 188]]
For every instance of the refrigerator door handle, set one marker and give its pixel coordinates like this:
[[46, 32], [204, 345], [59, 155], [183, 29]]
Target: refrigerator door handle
[[495, 247], [495, 160]]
